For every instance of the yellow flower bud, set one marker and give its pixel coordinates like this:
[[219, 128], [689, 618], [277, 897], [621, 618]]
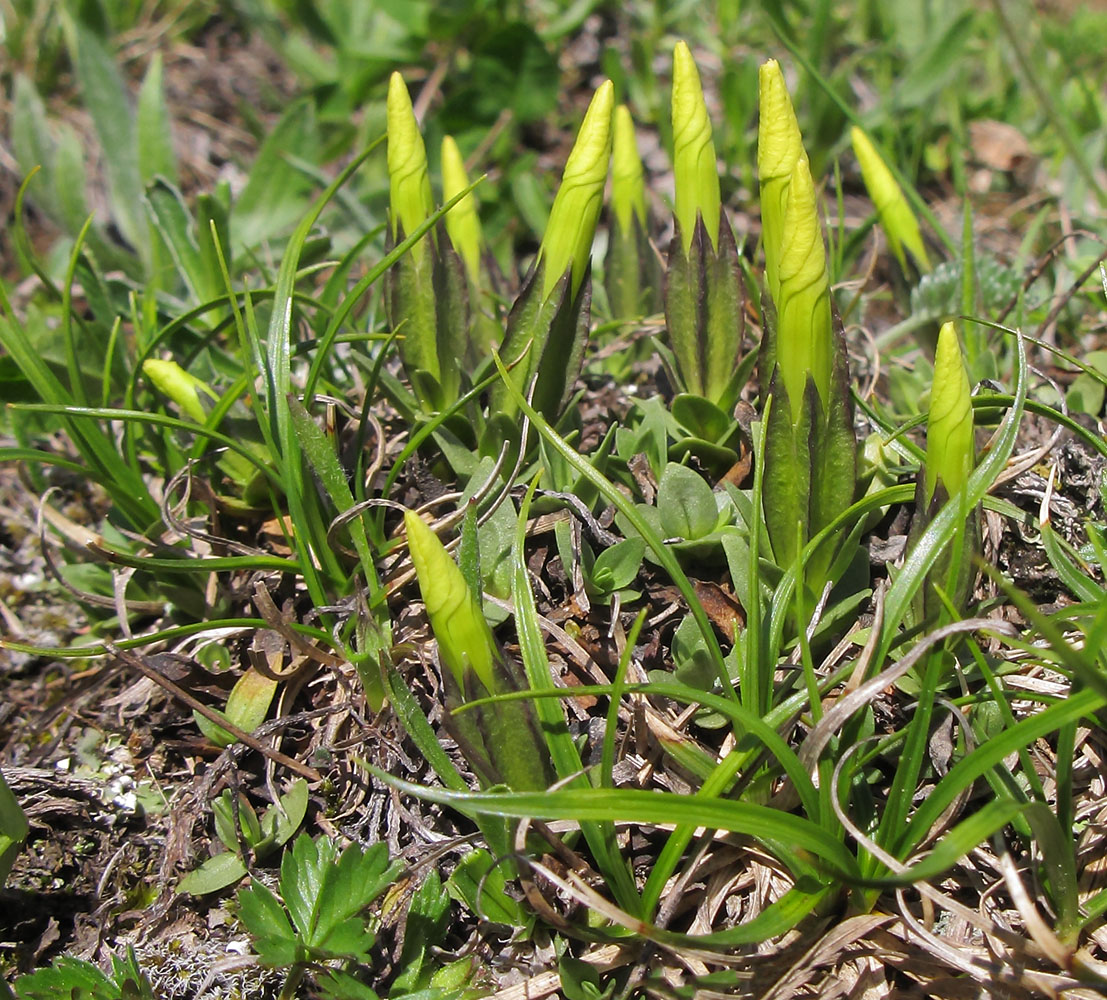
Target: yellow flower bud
[[949, 432], [899, 222], [171, 379], [576, 208], [628, 188], [695, 170], [462, 221], [804, 333], [464, 638], [409, 184], [779, 146]]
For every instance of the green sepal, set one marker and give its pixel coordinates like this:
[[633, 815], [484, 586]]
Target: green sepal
[[822, 451], [428, 304], [633, 272], [704, 312], [834, 468], [509, 730], [549, 335], [787, 478], [500, 742]]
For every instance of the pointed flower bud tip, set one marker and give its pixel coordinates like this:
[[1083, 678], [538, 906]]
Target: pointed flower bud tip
[[779, 146], [803, 302], [576, 208], [898, 221], [459, 626], [409, 184], [695, 168], [949, 434], [628, 188], [462, 221]]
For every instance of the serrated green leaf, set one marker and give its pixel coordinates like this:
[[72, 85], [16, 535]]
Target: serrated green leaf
[[263, 916]]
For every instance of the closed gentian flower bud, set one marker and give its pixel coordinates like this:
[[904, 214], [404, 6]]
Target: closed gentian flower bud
[[181, 387], [949, 432], [464, 639], [695, 171], [899, 222], [576, 208], [804, 332], [462, 222], [628, 189], [779, 147], [409, 184]]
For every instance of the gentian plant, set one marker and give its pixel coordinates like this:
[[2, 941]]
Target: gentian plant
[[703, 294], [547, 329], [428, 288], [810, 448], [501, 742], [950, 452]]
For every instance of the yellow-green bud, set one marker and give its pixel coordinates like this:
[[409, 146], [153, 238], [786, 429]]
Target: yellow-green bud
[[464, 638], [171, 379], [409, 184], [949, 432], [779, 146], [695, 170], [462, 221], [899, 222], [576, 208], [804, 332], [628, 188]]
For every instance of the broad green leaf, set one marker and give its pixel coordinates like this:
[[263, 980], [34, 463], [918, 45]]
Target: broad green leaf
[[686, 504], [108, 101], [218, 872], [480, 884], [155, 140], [247, 705]]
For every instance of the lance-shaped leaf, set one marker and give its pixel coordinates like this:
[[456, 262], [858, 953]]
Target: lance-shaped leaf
[[462, 221], [949, 431], [779, 147], [898, 221], [695, 172], [501, 742], [409, 187], [576, 208], [804, 339]]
